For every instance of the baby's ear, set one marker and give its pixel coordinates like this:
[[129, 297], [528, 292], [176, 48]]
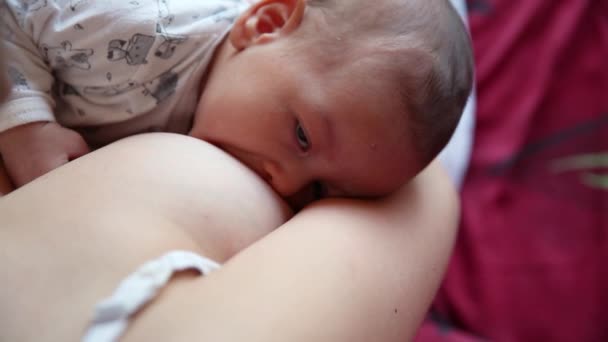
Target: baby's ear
[[266, 21]]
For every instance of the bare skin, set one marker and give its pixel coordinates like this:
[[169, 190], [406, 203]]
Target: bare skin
[[112, 211], [341, 270]]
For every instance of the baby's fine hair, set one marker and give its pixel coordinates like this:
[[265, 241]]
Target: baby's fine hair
[[431, 59]]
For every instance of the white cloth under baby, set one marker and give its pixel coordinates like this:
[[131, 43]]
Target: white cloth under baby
[[456, 155]]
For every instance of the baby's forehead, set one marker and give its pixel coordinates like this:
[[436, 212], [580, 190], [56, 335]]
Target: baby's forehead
[[380, 178]]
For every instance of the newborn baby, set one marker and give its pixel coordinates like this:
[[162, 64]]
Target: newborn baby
[[320, 97]]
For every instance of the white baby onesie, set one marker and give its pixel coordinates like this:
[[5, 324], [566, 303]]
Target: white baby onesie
[[110, 68]]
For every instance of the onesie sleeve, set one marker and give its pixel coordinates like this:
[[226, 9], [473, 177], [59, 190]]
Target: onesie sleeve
[[30, 98]]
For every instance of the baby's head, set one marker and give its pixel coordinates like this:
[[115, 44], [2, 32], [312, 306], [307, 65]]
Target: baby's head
[[338, 97]]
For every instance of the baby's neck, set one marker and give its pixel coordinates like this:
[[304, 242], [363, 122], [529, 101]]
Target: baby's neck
[[222, 52]]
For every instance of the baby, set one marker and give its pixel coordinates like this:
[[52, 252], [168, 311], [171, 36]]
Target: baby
[[319, 97]]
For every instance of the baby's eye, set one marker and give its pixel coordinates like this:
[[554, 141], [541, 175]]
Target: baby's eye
[[319, 190], [302, 138]]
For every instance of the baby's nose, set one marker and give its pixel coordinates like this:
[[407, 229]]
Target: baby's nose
[[285, 182]]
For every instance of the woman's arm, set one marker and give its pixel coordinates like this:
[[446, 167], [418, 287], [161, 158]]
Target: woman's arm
[[338, 271]]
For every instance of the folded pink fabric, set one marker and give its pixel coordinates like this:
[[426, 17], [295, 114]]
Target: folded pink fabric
[[531, 259]]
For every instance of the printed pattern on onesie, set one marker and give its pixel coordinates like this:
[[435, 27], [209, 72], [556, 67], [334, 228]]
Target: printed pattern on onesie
[[104, 62]]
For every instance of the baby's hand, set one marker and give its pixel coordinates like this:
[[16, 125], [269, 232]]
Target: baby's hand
[[31, 150]]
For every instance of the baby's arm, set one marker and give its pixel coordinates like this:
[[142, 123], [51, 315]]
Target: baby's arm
[[31, 142], [33, 149]]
